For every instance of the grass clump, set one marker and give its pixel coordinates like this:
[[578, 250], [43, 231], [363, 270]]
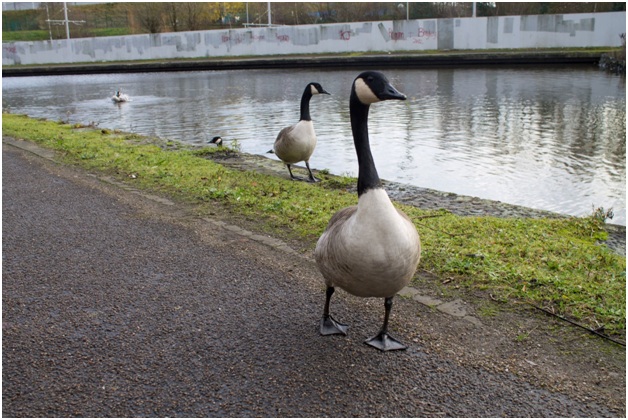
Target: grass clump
[[552, 263]]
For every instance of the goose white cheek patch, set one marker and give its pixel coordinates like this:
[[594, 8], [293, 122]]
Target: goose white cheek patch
[[364, 92]]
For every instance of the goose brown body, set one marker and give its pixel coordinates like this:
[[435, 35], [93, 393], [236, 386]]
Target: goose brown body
[[369, 250]]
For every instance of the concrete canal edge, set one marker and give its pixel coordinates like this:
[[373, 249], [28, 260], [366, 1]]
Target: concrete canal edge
[[332, 61], [457, 308]]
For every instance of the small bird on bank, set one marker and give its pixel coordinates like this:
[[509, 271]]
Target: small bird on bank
[[372, 249], [297, 142], [217, 141]]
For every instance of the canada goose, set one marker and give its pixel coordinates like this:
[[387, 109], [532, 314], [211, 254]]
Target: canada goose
[[372, 249], [297, 142], [217, 141]]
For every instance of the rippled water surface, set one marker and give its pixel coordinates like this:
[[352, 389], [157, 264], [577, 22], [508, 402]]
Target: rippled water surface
[[552, 138]]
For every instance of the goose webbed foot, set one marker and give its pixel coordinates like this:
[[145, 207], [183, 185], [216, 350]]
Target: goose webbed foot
[[329, 326], [311, 178], [384, 342], [292, 177]]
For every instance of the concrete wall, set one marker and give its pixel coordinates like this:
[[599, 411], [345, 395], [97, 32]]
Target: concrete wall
[[537, 31]]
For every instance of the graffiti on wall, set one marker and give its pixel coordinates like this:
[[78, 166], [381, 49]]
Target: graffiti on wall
[[415, 35], [467, 33], [423, 35], [236, 39]]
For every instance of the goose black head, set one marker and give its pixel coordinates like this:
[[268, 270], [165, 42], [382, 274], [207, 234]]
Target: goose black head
[[372, 86], [316, 88], [216, 140]]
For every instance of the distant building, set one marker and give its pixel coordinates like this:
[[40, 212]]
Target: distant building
[[14, 5]]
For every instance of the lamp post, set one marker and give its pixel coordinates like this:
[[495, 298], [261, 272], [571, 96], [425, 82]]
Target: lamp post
[[400, 6], [64, 21]]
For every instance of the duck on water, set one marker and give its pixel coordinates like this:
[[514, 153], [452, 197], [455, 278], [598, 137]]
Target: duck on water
[[297, 142], [372, 249], [120, 97]]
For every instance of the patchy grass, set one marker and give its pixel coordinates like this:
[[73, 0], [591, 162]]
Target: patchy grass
[[44, 34], [552, 263]]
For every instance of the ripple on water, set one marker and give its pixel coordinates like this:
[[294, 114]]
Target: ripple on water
[[550, 138]]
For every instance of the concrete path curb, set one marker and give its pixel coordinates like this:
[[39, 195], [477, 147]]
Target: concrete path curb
[[457, 308]]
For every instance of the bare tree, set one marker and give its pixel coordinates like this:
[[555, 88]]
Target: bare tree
[[171, 15], [193, 15], [148, 15]]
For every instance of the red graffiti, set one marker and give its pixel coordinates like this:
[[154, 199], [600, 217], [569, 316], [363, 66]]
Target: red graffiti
[[283, 38], [345, 35], [424, 33], [397, 36], [10, 49]]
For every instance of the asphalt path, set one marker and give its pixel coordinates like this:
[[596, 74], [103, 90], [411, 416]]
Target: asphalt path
[[115, 305]]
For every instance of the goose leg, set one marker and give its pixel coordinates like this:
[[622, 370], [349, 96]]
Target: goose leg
[[329, 325], [294, 178], [312, 177], [382, 340]]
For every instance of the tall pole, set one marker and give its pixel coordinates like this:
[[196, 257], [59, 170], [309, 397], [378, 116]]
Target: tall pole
[[407, 10], [48, 20], [269, 19], [67, 24]]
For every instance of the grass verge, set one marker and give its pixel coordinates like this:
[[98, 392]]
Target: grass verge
[[551, 263]]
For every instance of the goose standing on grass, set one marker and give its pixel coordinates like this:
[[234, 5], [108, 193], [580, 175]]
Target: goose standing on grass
[[297, 142], [372, 249]]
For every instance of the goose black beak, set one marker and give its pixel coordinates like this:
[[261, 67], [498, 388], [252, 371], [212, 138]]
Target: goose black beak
[[391, 93]]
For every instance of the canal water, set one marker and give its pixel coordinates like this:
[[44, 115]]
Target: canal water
[[548, 138]]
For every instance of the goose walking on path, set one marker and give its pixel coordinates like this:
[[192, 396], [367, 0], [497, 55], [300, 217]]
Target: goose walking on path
[[372, 249], [297, 142]]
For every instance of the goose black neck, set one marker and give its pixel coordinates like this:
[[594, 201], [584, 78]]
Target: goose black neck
[[305, 104], [367, 173]]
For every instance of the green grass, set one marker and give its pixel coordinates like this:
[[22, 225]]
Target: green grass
[[553, 263], [44, 35], [34, 35]]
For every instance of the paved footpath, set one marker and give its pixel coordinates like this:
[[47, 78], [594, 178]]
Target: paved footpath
[[116, 305]]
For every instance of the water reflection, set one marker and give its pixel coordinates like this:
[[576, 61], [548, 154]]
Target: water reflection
[[550, 138]]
